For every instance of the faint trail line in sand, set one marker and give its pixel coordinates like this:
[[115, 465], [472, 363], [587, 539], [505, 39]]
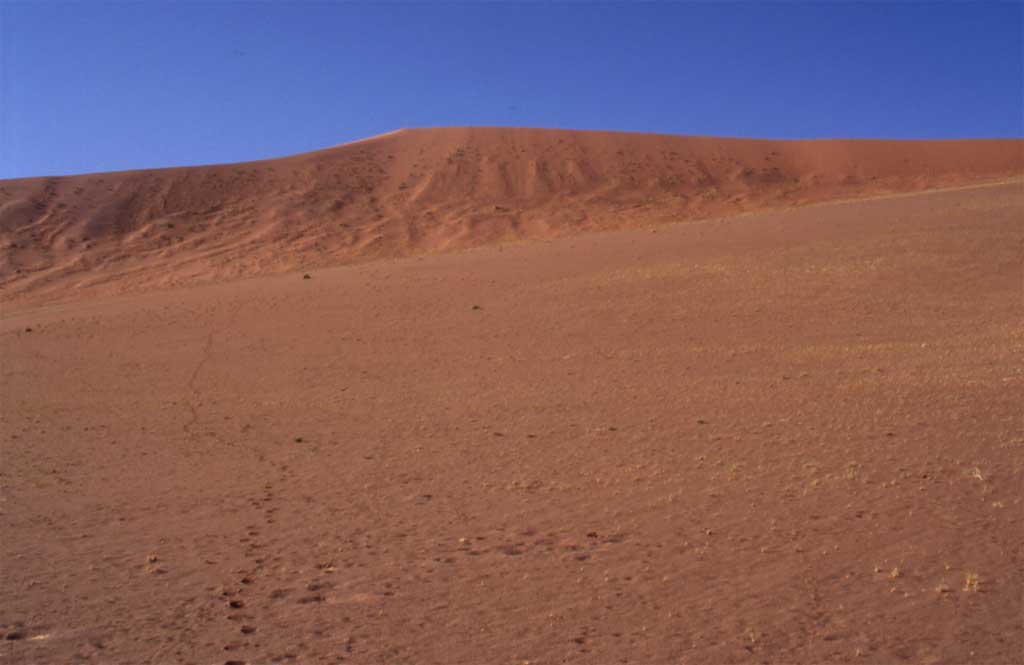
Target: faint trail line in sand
[[191, 392]]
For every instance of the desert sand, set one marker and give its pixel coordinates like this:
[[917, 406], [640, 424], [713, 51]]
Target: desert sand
[[771, 413], [415, 192]]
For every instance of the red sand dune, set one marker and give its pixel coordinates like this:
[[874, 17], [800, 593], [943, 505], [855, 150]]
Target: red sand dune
[[428, 190], [793, 436], [789, 437]]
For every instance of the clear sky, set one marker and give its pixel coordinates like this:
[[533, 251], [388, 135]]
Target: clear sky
[[89, 86]]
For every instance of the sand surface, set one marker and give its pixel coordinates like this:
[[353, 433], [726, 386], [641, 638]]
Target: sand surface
[[773, 414], [422, 191], [791, 436]]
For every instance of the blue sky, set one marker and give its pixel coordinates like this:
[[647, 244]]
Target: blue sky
[[90, 86]]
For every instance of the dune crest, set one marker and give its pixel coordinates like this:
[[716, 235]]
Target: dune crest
[[416, 191]]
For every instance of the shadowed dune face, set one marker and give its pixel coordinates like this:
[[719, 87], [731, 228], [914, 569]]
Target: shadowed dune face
[[428, 190]]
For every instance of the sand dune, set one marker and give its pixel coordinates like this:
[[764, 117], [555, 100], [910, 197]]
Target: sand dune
[[789, 437], [428, 190]]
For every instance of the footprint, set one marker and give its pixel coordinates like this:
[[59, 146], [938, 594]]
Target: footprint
[[318, 586]]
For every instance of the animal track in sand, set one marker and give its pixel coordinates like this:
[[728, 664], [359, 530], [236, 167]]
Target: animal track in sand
[[252, 549]]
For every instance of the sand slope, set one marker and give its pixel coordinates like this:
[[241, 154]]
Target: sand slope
[[789, 437], [428, 190]]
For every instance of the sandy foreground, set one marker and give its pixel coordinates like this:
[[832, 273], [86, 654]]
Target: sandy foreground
[[788, 437]]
